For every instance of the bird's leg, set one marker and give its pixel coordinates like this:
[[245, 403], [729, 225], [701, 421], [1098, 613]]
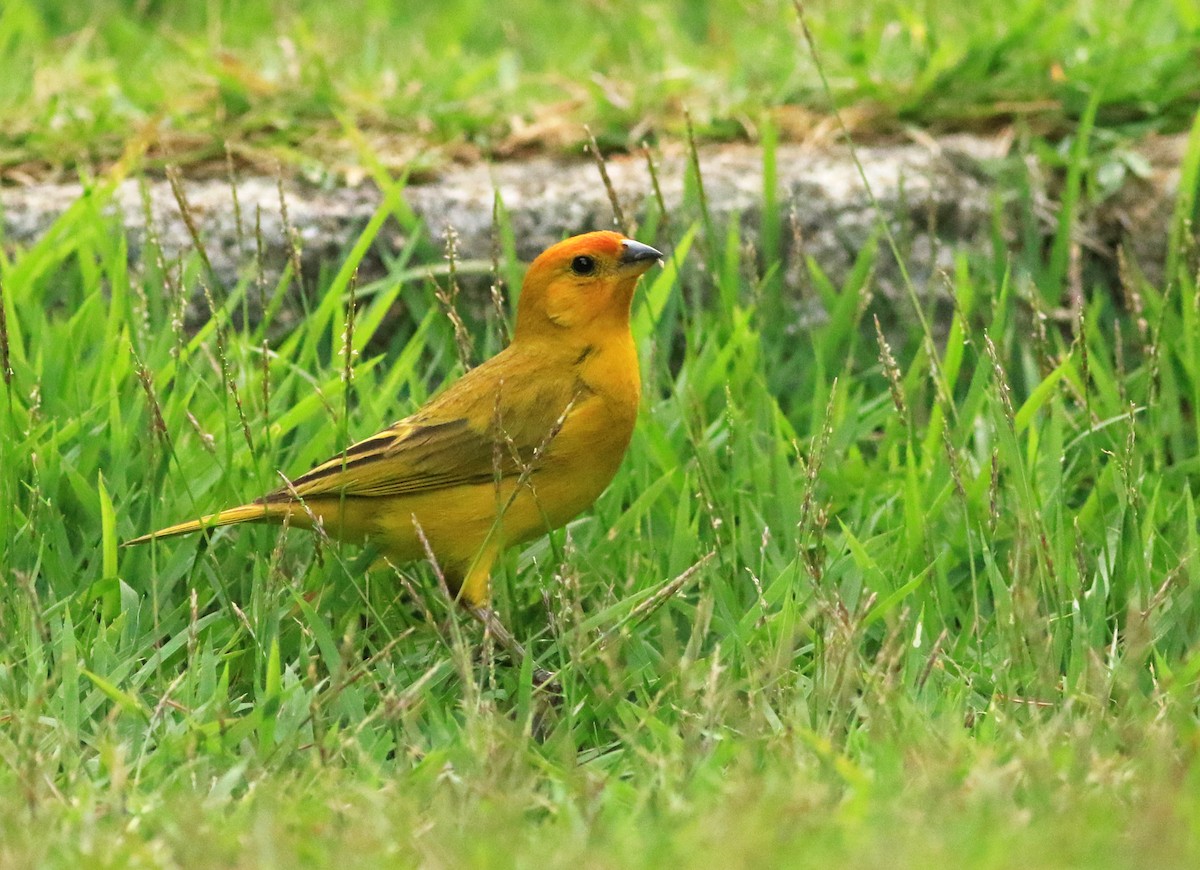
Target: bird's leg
[[472, 586], [541, 677]]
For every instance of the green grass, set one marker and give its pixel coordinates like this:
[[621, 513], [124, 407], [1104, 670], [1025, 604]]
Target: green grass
[[327, 91], [949, 613]]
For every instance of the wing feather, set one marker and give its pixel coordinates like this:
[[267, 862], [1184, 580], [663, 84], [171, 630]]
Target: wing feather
[[467, 436]]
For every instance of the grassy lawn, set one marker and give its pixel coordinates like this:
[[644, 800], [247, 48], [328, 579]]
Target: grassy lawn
[[914, 594], [326, 90], [935, 600]]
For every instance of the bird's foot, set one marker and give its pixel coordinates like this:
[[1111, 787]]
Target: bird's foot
[[547, 683], [543, 680]]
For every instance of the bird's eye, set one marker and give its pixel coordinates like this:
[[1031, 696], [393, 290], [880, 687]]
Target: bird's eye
[[582, 265]]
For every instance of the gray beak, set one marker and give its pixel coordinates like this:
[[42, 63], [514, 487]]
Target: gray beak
[[636, 252]]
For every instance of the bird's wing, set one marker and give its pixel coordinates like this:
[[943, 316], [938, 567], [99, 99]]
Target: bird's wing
[[467, 436]]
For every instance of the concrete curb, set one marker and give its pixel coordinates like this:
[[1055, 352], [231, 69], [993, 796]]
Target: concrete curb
[[933, 192]]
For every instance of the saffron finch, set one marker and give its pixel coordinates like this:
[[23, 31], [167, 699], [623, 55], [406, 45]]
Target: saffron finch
[[516, 447]]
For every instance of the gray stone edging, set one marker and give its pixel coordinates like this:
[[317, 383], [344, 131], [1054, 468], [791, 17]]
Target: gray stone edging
[[931, 191]]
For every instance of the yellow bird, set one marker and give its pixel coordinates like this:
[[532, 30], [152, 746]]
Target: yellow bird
[[516, 447]]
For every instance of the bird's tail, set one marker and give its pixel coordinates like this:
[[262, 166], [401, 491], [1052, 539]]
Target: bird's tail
[[246, 513]]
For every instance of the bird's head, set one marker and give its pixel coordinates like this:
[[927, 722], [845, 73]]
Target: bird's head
[[581, 284]]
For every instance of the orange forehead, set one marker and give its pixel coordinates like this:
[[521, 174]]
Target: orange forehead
[[599, 244]]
